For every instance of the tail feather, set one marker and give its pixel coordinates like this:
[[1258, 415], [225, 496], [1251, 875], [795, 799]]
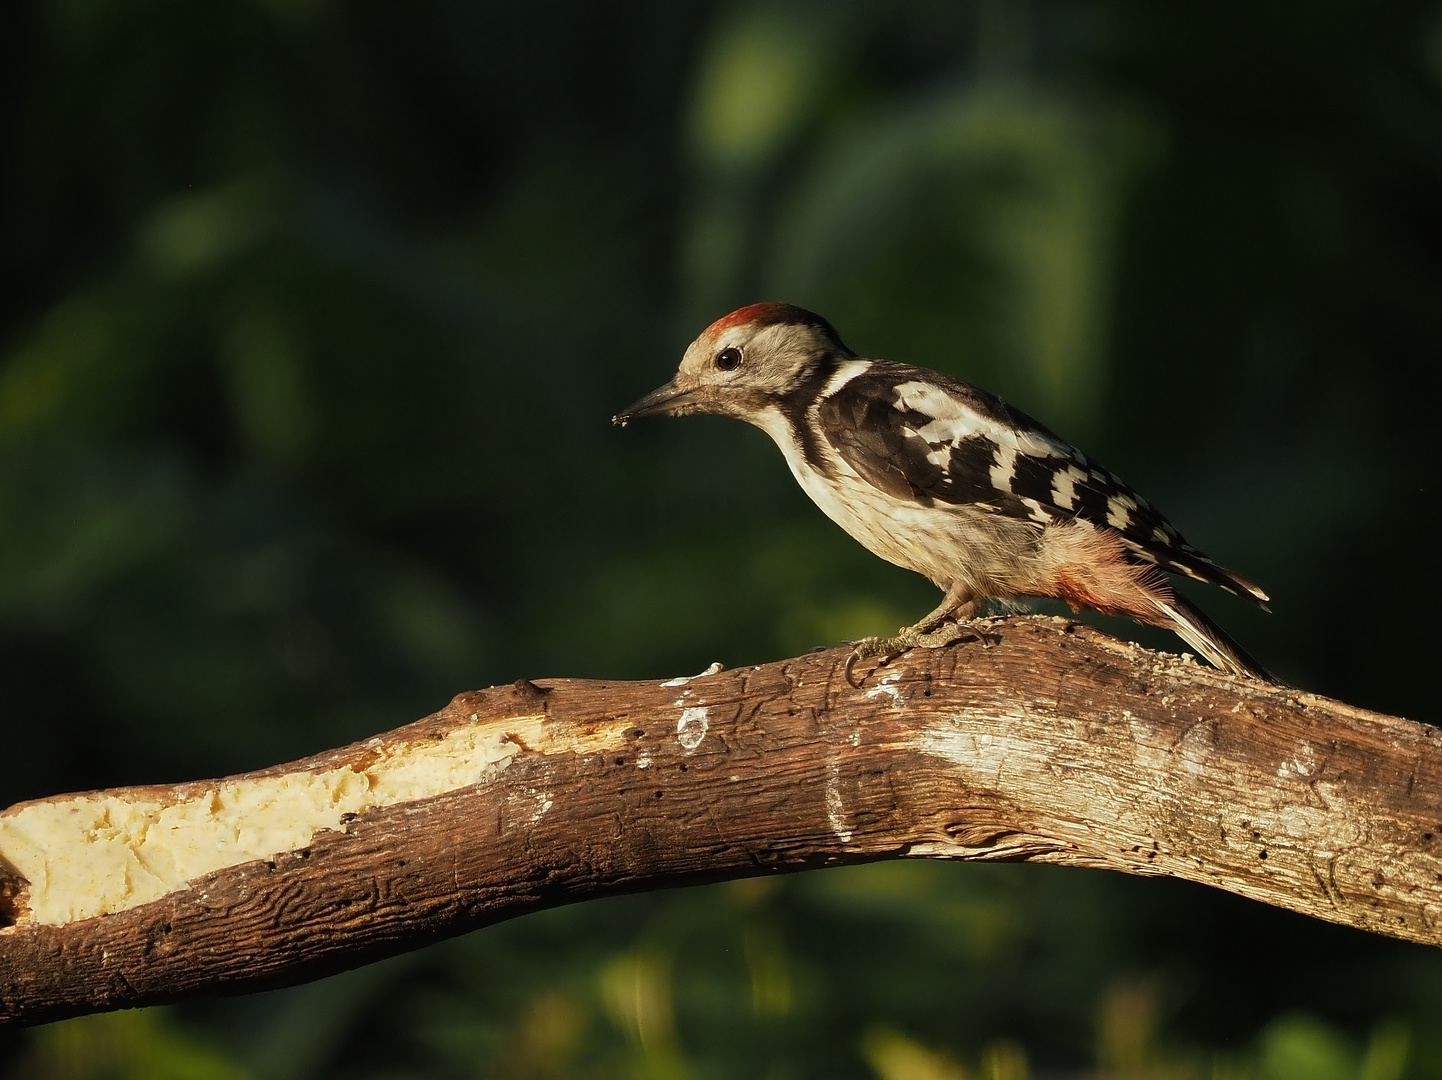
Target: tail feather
[[1194, 564], [1210, 640]]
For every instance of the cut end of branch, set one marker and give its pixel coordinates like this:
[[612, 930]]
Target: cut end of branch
[[101, 853]]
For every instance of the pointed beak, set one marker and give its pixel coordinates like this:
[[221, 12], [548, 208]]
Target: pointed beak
[[666, 399]]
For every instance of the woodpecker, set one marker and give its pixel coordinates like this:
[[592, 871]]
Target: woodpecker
[[947, 480]]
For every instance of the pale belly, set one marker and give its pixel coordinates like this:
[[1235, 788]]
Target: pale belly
[[986, 554]]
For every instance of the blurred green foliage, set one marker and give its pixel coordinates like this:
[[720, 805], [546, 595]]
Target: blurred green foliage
[[312, 316]]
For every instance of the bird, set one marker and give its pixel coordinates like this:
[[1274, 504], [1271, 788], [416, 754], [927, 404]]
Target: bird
[[948, 480]]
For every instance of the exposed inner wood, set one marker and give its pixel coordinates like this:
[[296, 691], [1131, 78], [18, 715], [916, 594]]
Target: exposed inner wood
[[1054, 744]]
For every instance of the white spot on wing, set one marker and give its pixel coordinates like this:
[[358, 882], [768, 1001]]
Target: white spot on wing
[[949, 421], [948, 430], [932, 401], [1119, 515], [1004, 468], [1034, 445], [952, 420], [1037, 511], [1063, 486]]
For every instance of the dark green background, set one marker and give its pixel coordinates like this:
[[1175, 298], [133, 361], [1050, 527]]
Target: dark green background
[[313, 316]]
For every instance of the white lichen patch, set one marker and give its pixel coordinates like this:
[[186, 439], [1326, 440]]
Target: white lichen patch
[[97, 854], [835, 810], [1301, 765], [692, 727], [887, 687]]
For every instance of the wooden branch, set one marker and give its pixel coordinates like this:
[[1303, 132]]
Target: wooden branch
[[1055, 744]]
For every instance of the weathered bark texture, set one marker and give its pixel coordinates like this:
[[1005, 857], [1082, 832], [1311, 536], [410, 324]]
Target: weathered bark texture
[[1055, 744]]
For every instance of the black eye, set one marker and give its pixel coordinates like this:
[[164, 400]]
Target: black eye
[[728, 359]]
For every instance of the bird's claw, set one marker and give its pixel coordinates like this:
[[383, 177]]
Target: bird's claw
[[909, 637], [866, 648]]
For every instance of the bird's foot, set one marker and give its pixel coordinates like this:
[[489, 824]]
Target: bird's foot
[[909, 637]]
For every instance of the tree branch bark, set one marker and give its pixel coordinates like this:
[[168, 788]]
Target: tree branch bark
[[1056, 744]]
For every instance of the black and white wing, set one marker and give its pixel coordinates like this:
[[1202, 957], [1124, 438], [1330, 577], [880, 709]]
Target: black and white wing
[[920, 435]]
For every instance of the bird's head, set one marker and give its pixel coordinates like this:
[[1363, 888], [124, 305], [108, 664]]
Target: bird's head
[[744, 363]]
